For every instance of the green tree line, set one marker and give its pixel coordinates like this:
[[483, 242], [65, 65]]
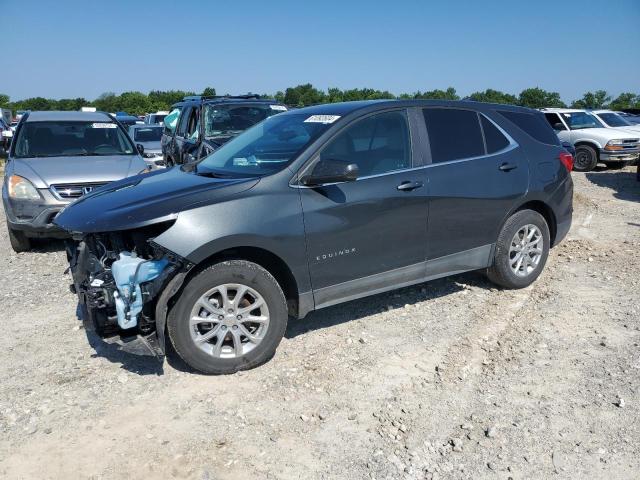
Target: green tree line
[[138, 103]]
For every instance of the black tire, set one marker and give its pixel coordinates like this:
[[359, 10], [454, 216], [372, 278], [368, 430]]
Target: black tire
[[616, 165], [229, 272], [500, 271], [19, 241], [586, 158]]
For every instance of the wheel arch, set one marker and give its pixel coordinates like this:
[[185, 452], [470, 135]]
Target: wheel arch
[[543, 209], [268, 260], [589, 143]]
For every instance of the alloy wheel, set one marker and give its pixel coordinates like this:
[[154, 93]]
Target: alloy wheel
[[526, 250], [229, 320]]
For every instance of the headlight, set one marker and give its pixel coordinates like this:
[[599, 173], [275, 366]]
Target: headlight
[[22, 189], [617, 141]]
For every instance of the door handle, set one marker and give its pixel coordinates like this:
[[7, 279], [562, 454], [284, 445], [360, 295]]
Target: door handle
[[408, 186], [507, 167]]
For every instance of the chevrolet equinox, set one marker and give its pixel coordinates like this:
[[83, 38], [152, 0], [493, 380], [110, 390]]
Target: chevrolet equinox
[[315, 207]]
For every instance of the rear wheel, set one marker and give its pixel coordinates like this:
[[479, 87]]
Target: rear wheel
[[521, 250], [19, 241], [229, 317], [586, 159]]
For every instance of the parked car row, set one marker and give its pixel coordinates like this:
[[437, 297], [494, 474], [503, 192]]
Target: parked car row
[[599, 136]]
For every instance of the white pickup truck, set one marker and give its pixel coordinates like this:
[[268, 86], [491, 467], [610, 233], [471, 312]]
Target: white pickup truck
[[594, 142]]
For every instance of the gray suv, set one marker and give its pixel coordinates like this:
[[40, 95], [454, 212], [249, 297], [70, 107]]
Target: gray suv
[[56, 158], [312, 208]]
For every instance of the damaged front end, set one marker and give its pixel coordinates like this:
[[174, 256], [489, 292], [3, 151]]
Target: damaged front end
[[124, 283]]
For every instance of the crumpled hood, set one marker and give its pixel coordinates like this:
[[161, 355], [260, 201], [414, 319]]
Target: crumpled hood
[[146, 199], [44, 172]]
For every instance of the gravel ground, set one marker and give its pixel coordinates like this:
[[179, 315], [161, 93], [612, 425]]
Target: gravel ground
[[449, 379]]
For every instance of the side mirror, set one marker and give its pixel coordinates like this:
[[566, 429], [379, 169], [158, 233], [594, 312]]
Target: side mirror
[[331, 171], [140, 148], [558, 126]]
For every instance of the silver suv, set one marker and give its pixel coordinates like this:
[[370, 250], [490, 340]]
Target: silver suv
[[56, 158]]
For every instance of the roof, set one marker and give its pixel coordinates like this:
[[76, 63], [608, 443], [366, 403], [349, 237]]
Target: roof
[[344, 108], [208, 100], [55, 116]]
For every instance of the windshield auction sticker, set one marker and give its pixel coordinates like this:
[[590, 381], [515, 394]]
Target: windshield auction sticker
[[103, 125], [279, 108], [322, 118]]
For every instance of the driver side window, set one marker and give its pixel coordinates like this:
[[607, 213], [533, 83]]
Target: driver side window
[[377, 144]]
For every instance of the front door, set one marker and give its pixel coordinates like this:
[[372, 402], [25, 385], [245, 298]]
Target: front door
[[367, 235]]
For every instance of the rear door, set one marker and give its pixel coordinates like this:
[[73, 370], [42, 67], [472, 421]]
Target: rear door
[[476, 174], [367, 235]]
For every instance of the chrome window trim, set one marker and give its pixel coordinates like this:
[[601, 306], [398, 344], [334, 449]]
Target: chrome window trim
[[511, 146]]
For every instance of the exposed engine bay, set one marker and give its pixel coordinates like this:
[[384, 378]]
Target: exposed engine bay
[[119, 278]]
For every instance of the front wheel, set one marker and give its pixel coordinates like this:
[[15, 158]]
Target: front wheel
[[586, 159], [229, 317], [521, 250], [19, 241]]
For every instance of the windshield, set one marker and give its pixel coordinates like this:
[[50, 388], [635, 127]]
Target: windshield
[[580, 120], [57, 139], [613, 119], [265, 148], [233, 119], [147, 134]]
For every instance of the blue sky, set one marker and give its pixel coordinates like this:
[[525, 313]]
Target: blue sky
[[84, 48]]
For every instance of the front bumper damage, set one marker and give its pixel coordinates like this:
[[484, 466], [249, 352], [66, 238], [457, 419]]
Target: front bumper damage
[[125, 284]]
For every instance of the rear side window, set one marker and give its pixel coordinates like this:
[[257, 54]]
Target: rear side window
[[533, 125], [496, 141], [453, 134]]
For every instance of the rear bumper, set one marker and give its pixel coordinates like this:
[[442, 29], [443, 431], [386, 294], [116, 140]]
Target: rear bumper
[[562, 205]]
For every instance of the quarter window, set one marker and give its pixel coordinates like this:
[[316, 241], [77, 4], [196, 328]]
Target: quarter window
[[493, 137], [377, 144], [453, 134], [533, 125]]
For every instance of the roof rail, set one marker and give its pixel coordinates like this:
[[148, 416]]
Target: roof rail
[[213, 97]]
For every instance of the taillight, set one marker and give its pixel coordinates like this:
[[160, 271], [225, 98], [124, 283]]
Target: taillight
[[567, 160]]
